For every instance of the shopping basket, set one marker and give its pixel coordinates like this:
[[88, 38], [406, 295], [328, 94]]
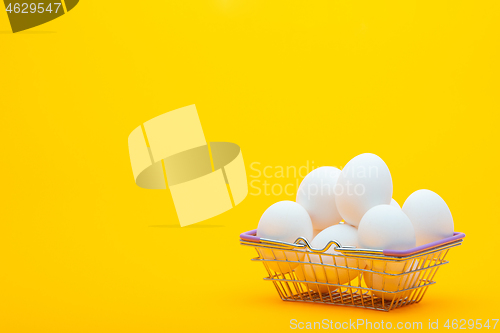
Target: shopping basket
[[372, 279]]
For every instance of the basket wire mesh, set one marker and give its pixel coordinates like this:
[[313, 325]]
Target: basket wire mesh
[[349, 276]]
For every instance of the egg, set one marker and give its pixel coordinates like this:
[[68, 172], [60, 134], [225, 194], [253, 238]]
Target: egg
[[346, 235], [393, 283], [284, 221], [365, 182], [385, 227], [394, 203], [317, 195], [430, 216]]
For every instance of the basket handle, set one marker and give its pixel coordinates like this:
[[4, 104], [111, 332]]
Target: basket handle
[[250, 236], [395, 253]]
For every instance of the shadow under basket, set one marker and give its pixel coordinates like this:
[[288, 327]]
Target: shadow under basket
[[372, 279]]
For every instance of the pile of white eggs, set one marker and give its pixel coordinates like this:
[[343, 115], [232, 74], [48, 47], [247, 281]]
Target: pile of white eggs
[[354, 207]]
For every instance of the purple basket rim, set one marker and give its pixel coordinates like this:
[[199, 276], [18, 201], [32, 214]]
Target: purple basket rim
[[251, 236], [395, 253]]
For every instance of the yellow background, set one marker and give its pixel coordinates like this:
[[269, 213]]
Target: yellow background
[[83, 249]]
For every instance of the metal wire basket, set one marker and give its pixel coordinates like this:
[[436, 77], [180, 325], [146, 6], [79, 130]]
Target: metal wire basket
[[371, 279]]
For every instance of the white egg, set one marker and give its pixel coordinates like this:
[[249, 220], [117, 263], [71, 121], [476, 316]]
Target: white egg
[[430, 216], [390, 284], [386, 227], [346, 235], [394, 203], [284, 221], [317, 195], [365, 182]]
